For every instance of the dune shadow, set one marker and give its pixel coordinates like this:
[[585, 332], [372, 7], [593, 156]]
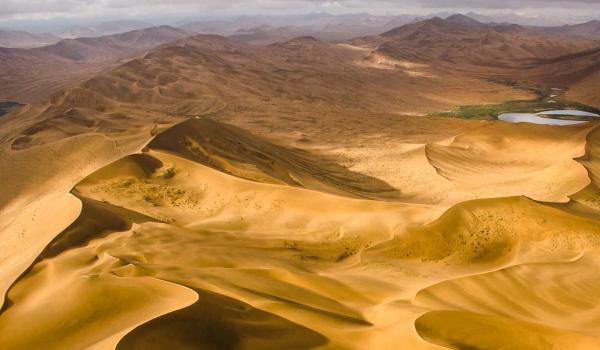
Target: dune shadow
[[233, 150], [219, 322]]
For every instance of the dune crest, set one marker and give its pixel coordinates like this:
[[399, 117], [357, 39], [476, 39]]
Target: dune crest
[[233, 240]]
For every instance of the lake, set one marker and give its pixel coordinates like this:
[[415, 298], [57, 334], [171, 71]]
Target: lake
[[536, 118]]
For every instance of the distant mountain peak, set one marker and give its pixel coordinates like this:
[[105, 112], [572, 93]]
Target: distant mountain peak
[[456, 21], [23, 39], [435, 20], [463, 19]]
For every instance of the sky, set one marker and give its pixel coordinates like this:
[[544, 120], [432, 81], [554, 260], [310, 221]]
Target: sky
[[13, 12]]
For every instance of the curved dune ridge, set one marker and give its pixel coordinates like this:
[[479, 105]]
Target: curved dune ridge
[[539, 162], [211, 237]]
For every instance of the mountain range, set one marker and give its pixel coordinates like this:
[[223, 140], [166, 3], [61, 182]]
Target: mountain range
[[28, 74], [26, 40]]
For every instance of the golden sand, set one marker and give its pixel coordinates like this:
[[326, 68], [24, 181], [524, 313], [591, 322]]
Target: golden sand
[[257, 249]]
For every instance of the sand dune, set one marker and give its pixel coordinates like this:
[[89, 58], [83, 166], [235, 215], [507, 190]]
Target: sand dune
[[252, 259], [235, 151], [515, 158], [485, 331], [543, 293]]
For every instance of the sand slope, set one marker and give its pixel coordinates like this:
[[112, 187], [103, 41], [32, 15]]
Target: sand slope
[[263, 246]]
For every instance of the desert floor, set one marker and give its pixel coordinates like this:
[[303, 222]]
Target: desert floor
[[428, 233]]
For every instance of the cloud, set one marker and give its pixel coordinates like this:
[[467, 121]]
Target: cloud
[[48, 9], [510, 4]]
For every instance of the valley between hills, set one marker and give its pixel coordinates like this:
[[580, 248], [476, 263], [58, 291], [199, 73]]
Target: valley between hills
[[166, 189]]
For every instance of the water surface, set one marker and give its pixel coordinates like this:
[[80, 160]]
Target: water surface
[[536, 118]]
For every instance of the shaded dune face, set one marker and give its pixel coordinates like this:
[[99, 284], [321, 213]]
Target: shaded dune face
[[237, 152], [214, 238], [96, 219], [218, 322]]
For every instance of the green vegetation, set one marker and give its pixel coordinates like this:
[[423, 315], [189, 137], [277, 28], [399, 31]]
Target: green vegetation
[[348, 252], [150, 190], [337, 251], [546, 100], [168, 173]]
